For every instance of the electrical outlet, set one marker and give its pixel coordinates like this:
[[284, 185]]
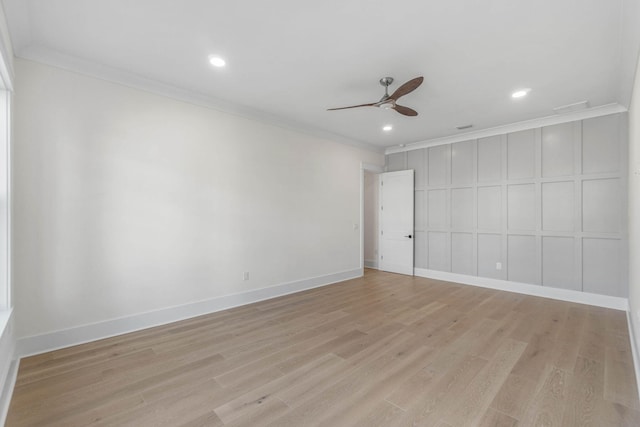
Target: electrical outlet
[[498, 266], [245, 275]]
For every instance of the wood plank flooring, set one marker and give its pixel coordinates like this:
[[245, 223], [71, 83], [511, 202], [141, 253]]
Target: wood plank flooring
[[382, 350]]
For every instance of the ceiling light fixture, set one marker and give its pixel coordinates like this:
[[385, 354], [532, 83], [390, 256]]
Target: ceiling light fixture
[[216, 61], [520, 93], [387, 128]]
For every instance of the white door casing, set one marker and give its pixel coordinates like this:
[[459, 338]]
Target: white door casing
[[396, 222]]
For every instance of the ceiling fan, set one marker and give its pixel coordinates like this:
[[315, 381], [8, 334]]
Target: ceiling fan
[[389, 102]]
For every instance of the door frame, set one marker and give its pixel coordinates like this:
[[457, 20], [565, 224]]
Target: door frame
[[365, 167], [393, 241]]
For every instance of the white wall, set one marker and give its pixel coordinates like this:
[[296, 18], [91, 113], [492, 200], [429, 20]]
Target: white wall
[[547, 203], [371, 210], [128, 202], [634, 211]]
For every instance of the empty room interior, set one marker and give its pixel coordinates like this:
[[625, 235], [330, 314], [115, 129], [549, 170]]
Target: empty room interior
[[337, 213]]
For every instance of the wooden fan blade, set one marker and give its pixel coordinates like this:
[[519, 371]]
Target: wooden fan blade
[[353, 106], [405, 110], [406, 88]]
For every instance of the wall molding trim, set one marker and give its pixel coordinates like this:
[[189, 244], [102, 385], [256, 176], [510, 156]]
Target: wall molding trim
[[603, 110], [8, 364], [125, 78], [86, 333], [6, 392], [371, 263], [635, 350], [616, 303]]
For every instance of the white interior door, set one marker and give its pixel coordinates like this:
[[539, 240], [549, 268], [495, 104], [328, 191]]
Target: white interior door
[[396, 222]]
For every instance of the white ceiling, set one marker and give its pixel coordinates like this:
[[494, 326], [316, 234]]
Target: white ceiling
[[291, 60]]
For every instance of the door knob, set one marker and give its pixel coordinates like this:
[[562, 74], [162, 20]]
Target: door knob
[[409, 236]]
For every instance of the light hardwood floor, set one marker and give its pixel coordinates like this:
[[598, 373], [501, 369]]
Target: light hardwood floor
[[383, 350]]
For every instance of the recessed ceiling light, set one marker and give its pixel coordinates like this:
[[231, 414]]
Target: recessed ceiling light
[[520, 93], [387, 128], [216, 61]]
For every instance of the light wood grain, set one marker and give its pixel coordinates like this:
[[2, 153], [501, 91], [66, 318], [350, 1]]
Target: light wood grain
[[493, 418], [383, 350], [548, 403], [585, 394]]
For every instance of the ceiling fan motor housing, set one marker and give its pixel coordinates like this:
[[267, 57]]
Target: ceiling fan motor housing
[[386, 81]]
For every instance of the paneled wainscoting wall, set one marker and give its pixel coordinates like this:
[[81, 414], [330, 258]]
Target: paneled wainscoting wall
[[544, 206]]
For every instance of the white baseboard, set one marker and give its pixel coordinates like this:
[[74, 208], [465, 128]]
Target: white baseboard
[[635, 350], [371, 263], [606, 301], [8, 364], [7, 390], [82, 334]]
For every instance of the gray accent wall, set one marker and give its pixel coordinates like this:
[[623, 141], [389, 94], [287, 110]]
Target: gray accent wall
[[548, 204]]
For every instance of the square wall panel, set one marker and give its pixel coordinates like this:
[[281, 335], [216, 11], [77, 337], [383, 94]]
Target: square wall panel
[[438, 251], [489, 208], [601, 144], [462, 253], [601, 205], [420, 212], [490, 159], [557, 150], [420, 249], [521, 203], [416, 161], [522, 259], [558, 201], [558, 263], [490, 253], [462, 172], [521, 154], [601, 266], [462, 208], [396, 162], [437, 209], [439, 165]]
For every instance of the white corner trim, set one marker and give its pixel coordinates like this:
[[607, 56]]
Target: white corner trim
[[8, 364], [635, 350], [6, 392], [616, 303], [603, 110], [82, 334], [371, 263], [370, 167], [6, 52]]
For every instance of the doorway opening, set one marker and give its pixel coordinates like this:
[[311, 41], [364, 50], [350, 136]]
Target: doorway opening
[[369, 215]]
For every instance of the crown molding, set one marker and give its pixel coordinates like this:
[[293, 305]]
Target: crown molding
[[603, 110], [114, 75], [125, 78]]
